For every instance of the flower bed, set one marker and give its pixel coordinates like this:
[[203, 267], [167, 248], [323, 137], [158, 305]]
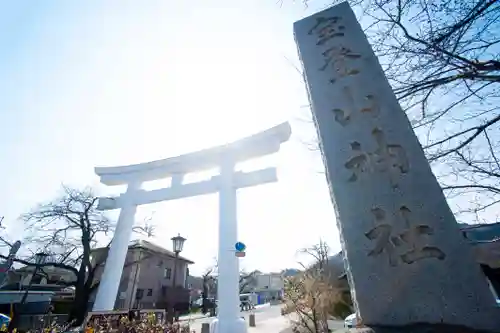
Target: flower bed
[[114, 324]]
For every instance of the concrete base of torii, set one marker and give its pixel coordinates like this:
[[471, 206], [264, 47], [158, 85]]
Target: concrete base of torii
[[236, 326]]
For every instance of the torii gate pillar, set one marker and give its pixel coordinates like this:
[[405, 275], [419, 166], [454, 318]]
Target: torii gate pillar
[[226, 184]]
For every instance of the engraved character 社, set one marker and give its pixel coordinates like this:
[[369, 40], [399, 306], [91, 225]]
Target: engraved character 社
[[344, 116], [413, 236], [390, 158], [394, 245], [327, 28], [341, 59]]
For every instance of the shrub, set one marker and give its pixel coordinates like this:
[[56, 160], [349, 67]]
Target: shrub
[[123, 325], [316, 295]]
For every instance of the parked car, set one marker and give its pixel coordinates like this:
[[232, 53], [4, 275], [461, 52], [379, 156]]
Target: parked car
[[351, 321], [210, 305]]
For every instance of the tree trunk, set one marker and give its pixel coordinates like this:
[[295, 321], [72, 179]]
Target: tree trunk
[[79, 309]]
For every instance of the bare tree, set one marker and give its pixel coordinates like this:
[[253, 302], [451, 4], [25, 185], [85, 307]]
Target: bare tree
[[67, 229], [208, 281], [320, 253], [314, 296], [442, 58], [147, 228], [4, 241], [246, 280]]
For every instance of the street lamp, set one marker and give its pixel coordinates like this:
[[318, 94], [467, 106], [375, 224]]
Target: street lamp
[[178, 245]]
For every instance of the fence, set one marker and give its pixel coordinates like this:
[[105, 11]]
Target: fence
[[40, 321]]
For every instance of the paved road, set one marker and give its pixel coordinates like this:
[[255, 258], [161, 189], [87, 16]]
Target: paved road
[[263, 314]]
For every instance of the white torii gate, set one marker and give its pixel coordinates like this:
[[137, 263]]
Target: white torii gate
[[226, 183]]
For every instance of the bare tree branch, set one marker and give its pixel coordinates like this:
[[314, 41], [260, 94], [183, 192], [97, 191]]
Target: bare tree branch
[[442, 59]]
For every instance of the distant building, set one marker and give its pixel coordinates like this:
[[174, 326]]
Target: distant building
[[485, 241], [44, 287], [147, 278], [290, 272], [51, 275], [268, 286], [195, 286]]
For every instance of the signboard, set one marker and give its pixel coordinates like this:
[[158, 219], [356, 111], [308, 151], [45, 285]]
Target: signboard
[[240, 247]]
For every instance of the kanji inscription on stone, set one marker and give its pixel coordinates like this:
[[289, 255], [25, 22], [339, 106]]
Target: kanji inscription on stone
[[387, 158], [413, 237], [340, 59], [405, 247], [370, 106], [390, 158], [327, 28], [382, 235]]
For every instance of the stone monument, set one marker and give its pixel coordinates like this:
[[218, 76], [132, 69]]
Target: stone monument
[[406, 260], [226, 184]]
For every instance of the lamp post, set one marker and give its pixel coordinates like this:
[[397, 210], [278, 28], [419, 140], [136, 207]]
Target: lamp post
[[178, 245], [40, 259]]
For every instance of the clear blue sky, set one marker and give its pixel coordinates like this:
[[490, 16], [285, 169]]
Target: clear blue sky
[[103, 83]]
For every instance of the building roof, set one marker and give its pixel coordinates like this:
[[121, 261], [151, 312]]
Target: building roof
[[485, 240], [481, 232], [290, 272], [146, 245]]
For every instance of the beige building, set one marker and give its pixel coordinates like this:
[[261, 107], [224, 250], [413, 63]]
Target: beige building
[[147, 278]]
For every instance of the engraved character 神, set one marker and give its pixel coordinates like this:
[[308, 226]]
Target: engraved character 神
[[390, 158], [327, 28]]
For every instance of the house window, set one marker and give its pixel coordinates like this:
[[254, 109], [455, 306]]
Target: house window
[[167, 273], [150, 292], [139, 293]]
